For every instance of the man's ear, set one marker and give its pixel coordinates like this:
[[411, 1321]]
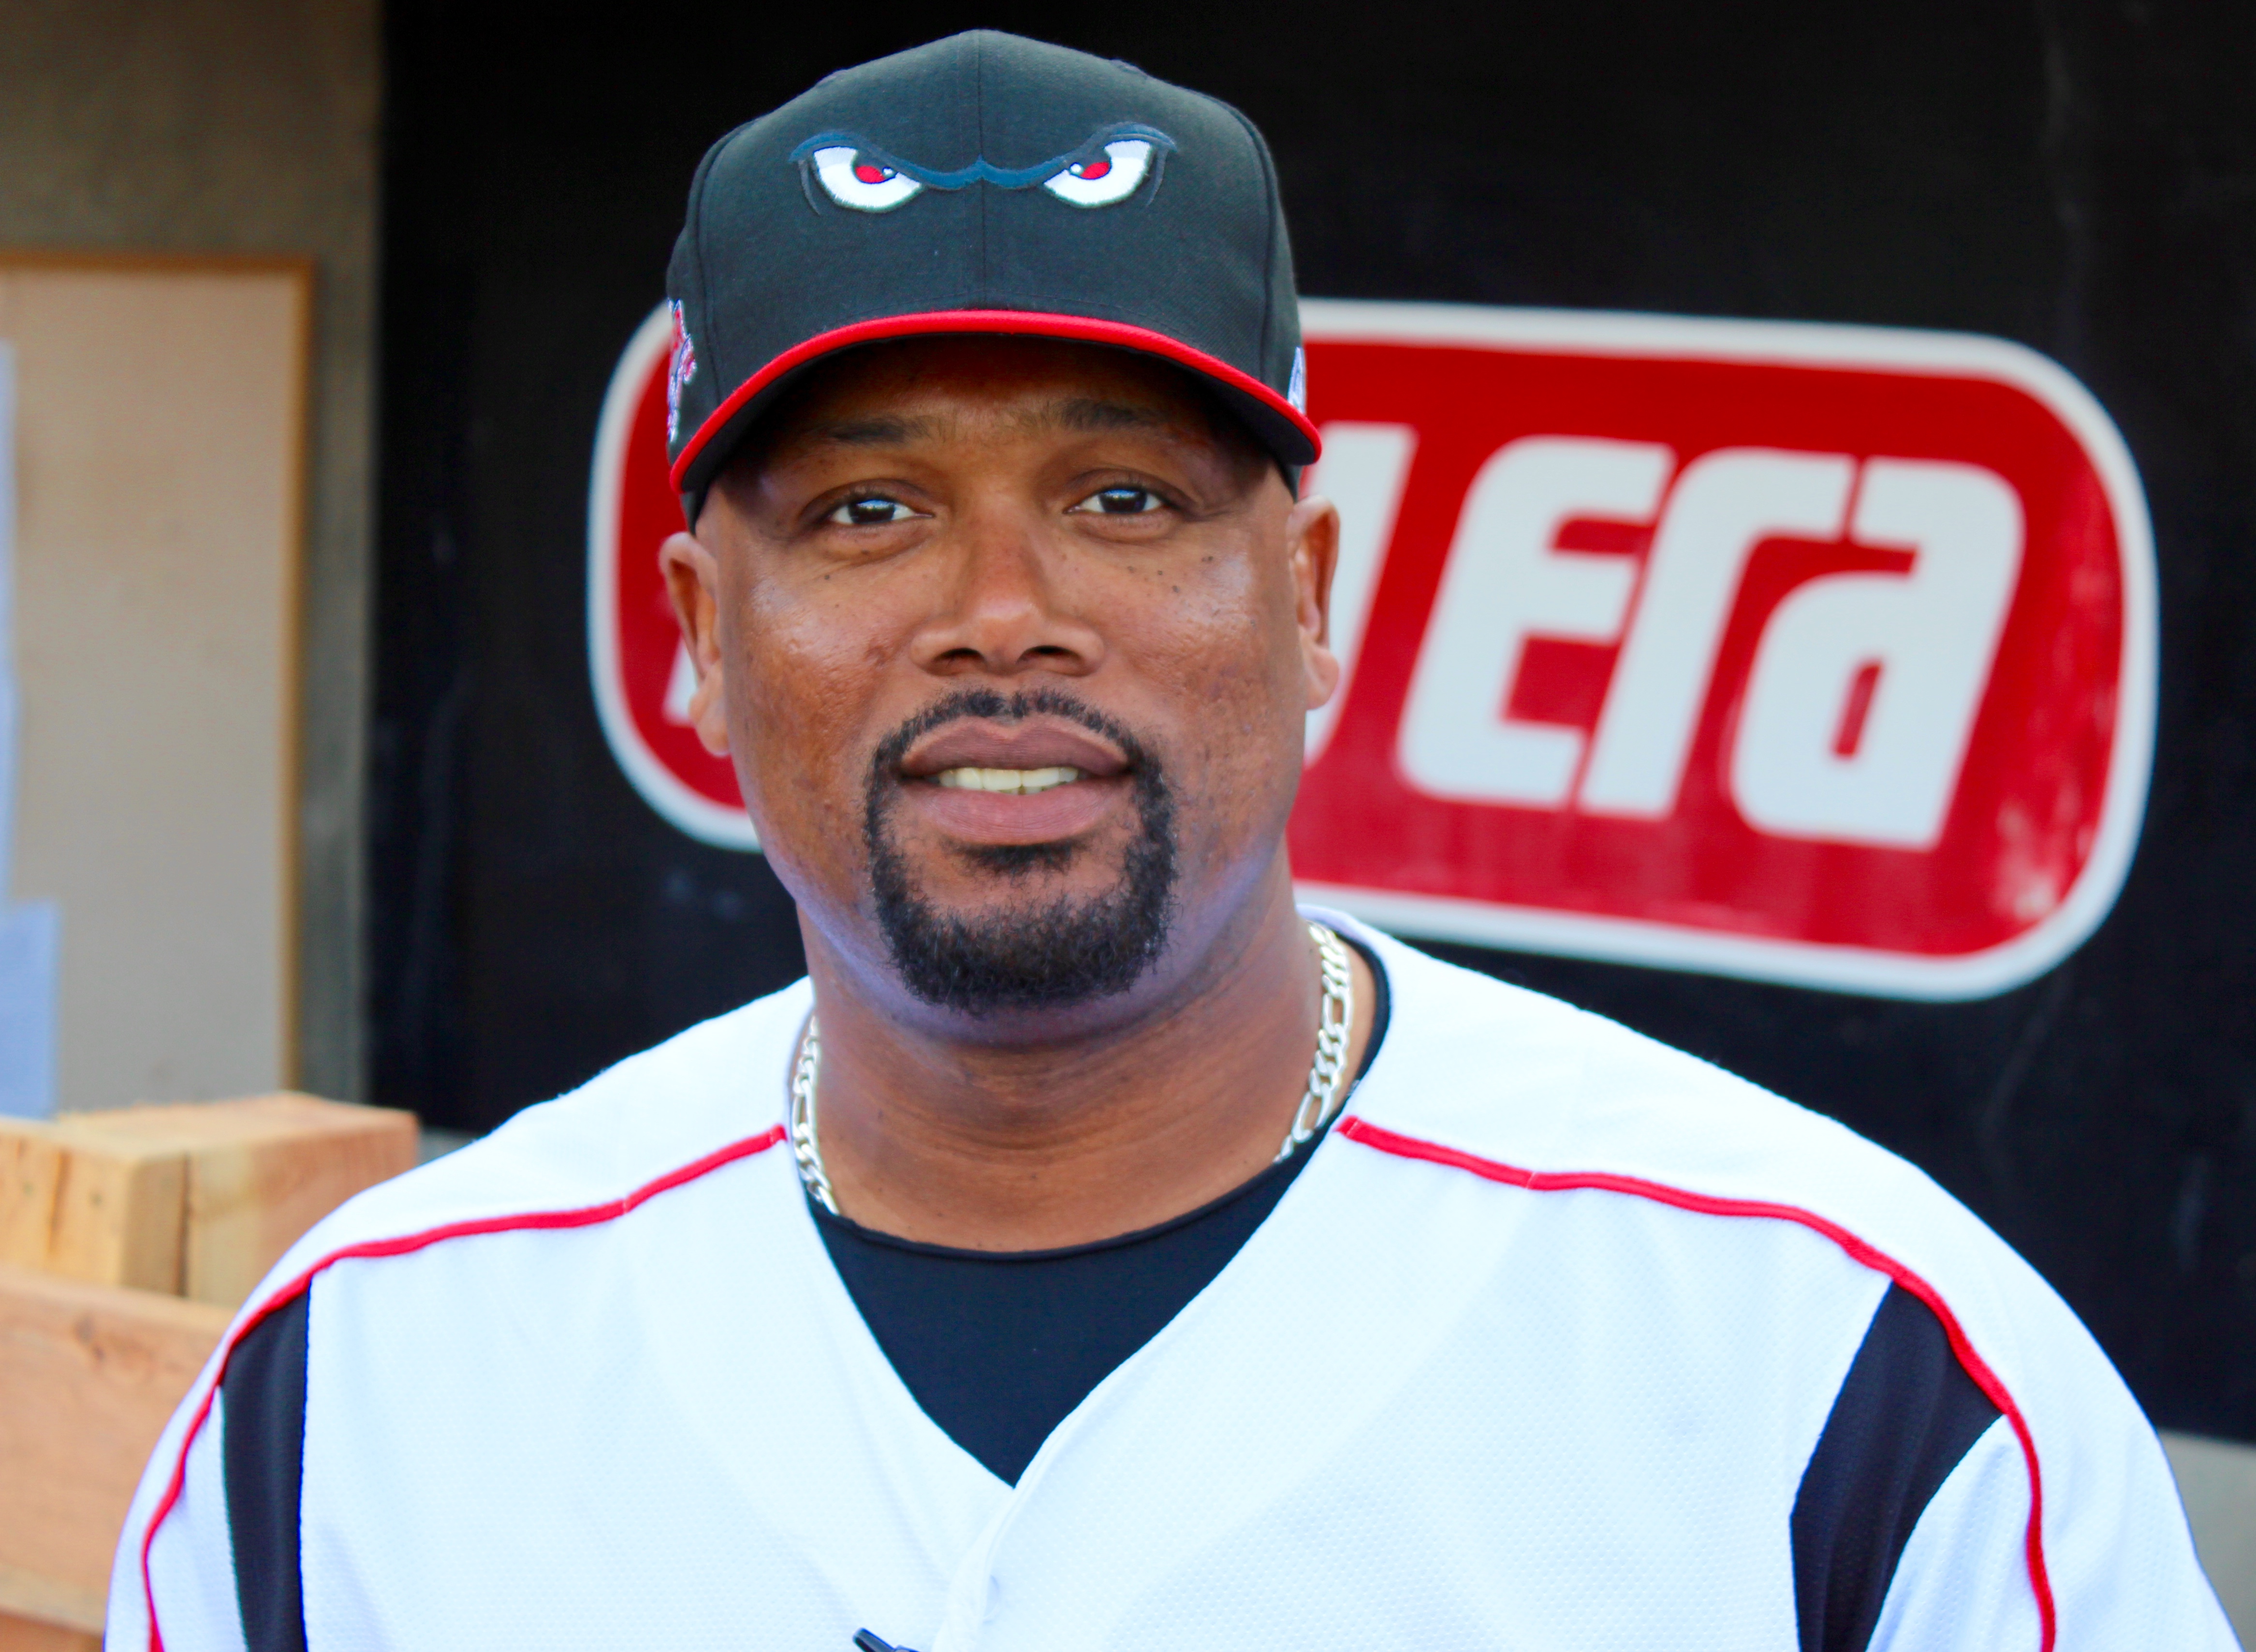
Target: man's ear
[[1312, 539], [692, 580]]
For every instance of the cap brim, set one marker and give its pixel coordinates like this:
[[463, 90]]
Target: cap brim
[[1279, 425]]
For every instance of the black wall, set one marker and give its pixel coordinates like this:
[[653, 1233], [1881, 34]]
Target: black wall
[[2078, 177]]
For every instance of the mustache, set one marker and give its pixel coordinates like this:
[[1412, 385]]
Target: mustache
[[987, 705]]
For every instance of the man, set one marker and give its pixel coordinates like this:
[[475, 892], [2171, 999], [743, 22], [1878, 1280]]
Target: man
[[1097, 1251]]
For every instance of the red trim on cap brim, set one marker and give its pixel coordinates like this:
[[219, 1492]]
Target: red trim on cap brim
[[1036, 323]]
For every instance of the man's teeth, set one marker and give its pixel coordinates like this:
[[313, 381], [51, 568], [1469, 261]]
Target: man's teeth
[[1021, 781]]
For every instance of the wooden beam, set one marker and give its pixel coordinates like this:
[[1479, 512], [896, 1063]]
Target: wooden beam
[[42, 1612], [112, 1215], [99, 1214], [28, 1635], [197, 1199], [90, 1373]]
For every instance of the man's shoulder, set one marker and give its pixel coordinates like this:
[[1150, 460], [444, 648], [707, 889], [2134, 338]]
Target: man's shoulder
[[1480, 1079], [1536, 1078], [711, 1093], [1530, 1091]]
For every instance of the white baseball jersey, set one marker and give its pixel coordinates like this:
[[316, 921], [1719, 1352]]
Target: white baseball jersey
[[1563, 1339]]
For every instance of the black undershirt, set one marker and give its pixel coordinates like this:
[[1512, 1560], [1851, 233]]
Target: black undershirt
[[999, 1347]]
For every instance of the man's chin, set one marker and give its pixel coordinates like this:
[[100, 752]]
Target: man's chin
[[1024, 862], [1019, 905], [1044, 929], [1022, 955]]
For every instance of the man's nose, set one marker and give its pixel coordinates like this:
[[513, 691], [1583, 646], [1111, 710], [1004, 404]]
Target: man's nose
[[1006, 606]]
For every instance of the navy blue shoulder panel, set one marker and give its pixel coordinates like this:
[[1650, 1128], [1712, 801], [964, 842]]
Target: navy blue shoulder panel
[[262, 1446], [1906, 1416]]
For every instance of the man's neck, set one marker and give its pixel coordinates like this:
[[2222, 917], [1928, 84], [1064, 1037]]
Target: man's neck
[[1008, 1146]]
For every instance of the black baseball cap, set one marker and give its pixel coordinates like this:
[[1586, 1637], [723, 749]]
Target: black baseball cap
[[982, 184]]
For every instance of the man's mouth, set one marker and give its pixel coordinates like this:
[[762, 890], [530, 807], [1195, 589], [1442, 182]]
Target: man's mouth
[[1033, 754], [998, 788], [987, 781], [1018, 782]]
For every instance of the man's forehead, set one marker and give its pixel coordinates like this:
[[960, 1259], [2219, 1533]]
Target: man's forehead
[[907, 395]]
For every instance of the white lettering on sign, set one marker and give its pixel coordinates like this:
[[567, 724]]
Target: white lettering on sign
[[1506, 581], [1865, 686], [1724, 505], [1362, 472], [680, 686]]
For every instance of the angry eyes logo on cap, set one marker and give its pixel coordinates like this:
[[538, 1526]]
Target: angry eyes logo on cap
[[1108, 167]]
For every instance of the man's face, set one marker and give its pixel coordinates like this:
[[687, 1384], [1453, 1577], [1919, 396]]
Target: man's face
[[1012, 642]]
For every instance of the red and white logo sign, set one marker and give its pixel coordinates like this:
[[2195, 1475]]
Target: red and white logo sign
[[1812, 653], [642, 670]]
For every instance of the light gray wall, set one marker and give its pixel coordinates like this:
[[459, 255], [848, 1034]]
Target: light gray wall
[[2217, 1480], [243, 126]]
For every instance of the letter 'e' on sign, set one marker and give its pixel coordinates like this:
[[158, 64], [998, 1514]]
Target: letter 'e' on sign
[[1815, 654]]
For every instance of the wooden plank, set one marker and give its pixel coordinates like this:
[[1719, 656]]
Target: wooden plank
[[28, 1635], [40, 1611], [200, 1198], [113, 1214], [296, 1159], [90, 1373]]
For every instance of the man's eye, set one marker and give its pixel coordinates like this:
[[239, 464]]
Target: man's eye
[[1122, 501], [875, 513]]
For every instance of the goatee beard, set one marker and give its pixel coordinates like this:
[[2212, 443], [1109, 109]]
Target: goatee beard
[[1067, 952]]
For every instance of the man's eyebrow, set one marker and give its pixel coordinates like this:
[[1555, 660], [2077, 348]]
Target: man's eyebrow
[[1089, 413], [873, 430]]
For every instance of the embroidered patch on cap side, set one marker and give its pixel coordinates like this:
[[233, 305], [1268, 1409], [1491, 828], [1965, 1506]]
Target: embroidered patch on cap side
[[680, 370]]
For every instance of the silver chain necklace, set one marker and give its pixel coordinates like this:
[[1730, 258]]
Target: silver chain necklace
[[1326, 1089]]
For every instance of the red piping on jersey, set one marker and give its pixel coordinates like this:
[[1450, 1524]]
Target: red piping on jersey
[[1386, 1140], [584, 1216], [1035, 323]]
